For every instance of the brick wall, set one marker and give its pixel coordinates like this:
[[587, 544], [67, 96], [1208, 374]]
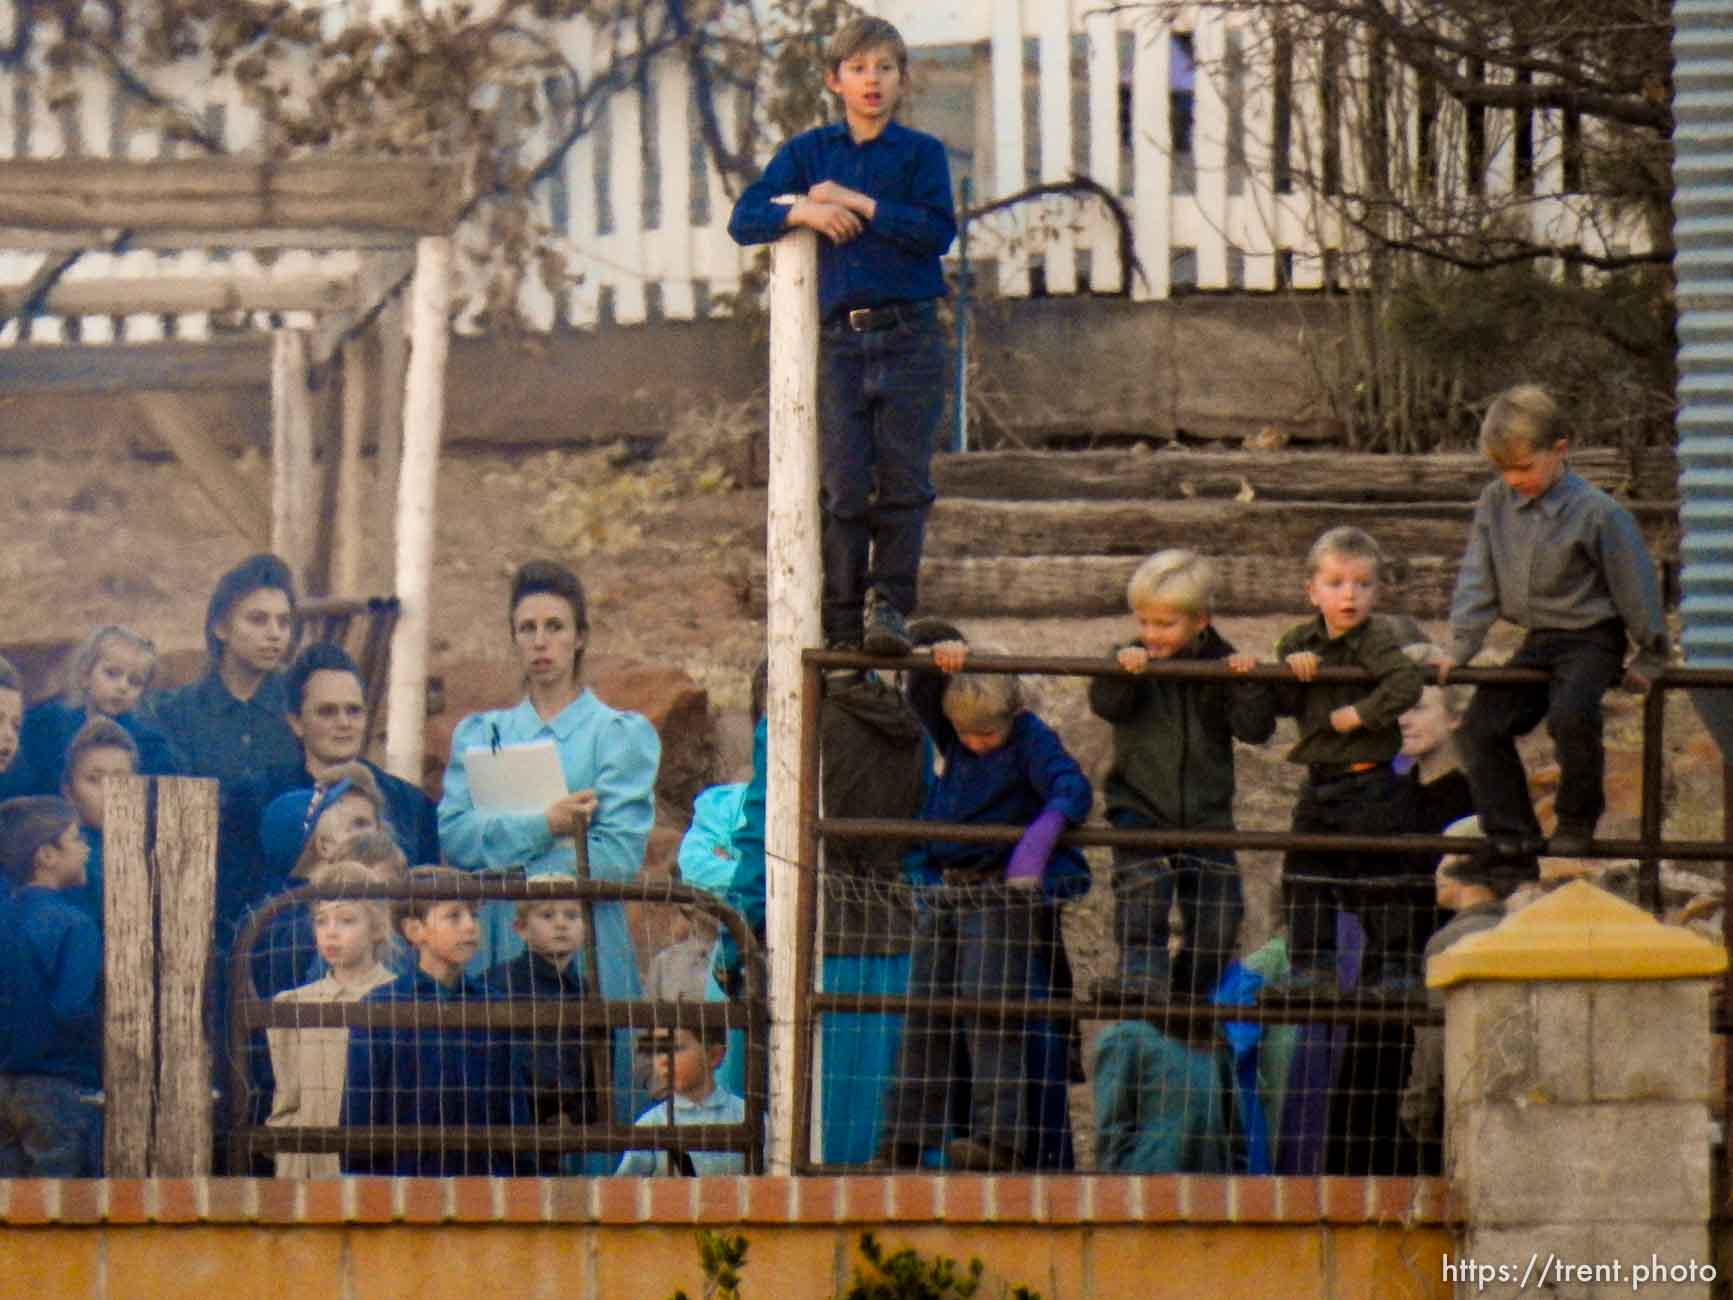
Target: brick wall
[[1070, 1238]]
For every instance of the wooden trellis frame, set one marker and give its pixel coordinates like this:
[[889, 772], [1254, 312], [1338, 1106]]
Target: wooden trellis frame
[[403, 212]]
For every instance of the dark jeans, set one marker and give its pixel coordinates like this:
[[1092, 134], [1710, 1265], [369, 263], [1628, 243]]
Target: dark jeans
[[1211, 905], [881, 395], [1584, 666], [47, 1130], [1001, 945], [1316, 885]]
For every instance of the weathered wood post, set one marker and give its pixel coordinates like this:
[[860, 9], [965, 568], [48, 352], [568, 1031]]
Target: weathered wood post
[[159, 923], [294, 481], [423, 425], [393, 365], [793, 576], [129, 1050], [347, 545]]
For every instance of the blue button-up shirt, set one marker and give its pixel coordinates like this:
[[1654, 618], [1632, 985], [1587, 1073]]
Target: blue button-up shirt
[[720, 1107], [216, 735], [896, 258]]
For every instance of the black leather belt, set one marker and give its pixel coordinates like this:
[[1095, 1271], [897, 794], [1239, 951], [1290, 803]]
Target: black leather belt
[[865, 320]]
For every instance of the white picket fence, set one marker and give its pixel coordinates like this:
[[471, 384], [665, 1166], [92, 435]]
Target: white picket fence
[[1022, 91]]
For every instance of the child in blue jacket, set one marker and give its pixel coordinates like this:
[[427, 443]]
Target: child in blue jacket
[[106, 678], [989, 928], [50, 998], [455, 1079]]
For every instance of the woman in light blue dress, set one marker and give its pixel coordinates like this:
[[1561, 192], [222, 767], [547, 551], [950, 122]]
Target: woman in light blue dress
[[609, 759]]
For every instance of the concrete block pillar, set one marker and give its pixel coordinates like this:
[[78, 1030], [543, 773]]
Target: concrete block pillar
[[1577, 1128]]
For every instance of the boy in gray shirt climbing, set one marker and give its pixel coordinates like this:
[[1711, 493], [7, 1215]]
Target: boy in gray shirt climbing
[[1560, 558]]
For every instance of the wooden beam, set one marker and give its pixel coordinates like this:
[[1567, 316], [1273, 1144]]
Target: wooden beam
[[399, 195], [963, 526], [1276, 475], [293, 481], [347, 543], [392, 329], [423, 426], [1093, 586], [149, 295], [210, 466], [103, 239]]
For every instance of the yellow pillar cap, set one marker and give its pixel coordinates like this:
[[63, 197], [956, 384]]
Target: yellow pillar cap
[[1579, 932]]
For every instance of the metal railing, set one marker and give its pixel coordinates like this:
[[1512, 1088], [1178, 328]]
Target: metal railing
[[595, 1020], [1648, 848]]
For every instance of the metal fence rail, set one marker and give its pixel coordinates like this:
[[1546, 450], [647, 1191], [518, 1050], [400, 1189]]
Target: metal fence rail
[[592, 1020], [1355, 1011]]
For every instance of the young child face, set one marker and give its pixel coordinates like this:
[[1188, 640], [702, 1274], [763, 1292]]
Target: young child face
[[117, 679], [446, 937], [332, 722], [869, 83], [87, 782], [11, 719], [553, 930], [1528, 471], [256, 631], [693, 1067], [979, 736], [1167, 630], [1344, 588], [60, 863], [1427, 726], [344, 933], [351, 815]]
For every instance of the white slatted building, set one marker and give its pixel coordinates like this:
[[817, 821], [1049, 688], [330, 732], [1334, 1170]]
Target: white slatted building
[[1207, 129]]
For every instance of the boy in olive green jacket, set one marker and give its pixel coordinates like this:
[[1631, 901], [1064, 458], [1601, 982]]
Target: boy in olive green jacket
[[1173, 769]]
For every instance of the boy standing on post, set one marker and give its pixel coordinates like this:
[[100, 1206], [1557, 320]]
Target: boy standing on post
[[880, 195], [1563, 560]]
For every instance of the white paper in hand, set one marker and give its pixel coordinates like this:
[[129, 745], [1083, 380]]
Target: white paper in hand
[[515, 778]]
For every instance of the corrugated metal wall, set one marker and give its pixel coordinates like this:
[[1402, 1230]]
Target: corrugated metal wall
[[1703, 174]]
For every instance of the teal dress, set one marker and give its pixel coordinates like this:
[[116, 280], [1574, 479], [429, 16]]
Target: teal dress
[[602, 749]]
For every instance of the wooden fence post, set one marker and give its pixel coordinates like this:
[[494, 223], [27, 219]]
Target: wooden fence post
[[129, 946], [159, 913], [423, 425], [186, 863], [794, 574], [348, 541], [293, 478]]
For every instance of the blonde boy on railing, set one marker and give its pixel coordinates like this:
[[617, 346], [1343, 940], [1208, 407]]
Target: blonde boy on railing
[[1173, 769]]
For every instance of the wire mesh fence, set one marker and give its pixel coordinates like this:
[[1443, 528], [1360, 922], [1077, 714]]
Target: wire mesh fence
[[973, 1046], [370, 1032], [969, 1044], [943, 1026]]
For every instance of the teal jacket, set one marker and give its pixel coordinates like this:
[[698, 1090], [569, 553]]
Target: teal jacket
[[1173, 742]]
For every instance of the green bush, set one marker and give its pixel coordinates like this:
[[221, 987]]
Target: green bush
[[904, 1275]]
